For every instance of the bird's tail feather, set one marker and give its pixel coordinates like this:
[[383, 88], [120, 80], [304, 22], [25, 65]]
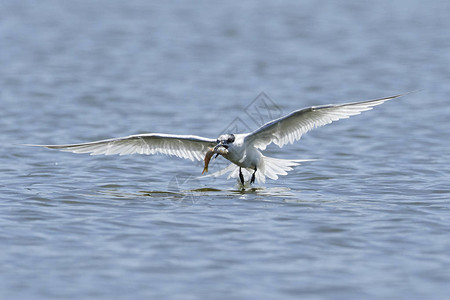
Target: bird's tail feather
[[268, 167], [271, 167]]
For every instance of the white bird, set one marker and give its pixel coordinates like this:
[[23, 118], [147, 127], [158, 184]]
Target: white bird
[[242, 150]]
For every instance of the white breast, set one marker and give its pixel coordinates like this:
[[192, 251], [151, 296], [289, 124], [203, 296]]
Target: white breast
[[243, 155]]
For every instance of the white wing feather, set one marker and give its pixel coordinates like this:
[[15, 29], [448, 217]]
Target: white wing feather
[[185, 146], [290, 128]]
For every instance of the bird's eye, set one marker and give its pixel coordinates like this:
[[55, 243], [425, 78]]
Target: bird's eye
[[217, 141], [231, 139]]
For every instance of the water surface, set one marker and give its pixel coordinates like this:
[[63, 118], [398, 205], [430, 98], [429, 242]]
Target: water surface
[[369, 219]]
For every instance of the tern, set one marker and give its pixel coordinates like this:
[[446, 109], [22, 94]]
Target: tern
[[243, 150]]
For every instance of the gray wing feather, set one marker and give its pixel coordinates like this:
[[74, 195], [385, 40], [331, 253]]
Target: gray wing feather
[[185, 146], [291, 127]]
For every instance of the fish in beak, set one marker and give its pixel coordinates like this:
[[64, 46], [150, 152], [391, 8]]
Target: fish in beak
[[219, 149]]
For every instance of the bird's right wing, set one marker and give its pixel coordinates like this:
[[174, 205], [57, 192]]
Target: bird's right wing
[[290, 128], [185, 146]]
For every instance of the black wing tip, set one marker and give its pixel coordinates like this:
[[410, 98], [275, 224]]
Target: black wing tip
[[375, 100], [33, 145], [46, 146], [401, 95]]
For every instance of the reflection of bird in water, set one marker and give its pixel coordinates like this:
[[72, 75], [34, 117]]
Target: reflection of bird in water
[[242, 150]]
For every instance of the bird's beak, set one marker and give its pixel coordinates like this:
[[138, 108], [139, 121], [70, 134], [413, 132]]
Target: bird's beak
[[218, 149], [221, 149]]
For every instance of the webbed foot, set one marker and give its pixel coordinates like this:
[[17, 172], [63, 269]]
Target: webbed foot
[[241, 176], [253, 177]]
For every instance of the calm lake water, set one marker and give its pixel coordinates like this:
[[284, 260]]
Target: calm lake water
[[369, 220]]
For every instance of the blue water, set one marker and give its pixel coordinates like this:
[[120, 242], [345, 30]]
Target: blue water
[[369, 220]]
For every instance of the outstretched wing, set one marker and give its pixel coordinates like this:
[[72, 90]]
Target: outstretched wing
[[290, 128], [185, 146]]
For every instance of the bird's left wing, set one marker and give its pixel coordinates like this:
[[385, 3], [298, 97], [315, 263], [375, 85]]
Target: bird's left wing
[[291, 127], [185, 146]]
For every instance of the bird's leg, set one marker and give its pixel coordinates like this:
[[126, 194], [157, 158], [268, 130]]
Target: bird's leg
[[253, 177], [241, 176]]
